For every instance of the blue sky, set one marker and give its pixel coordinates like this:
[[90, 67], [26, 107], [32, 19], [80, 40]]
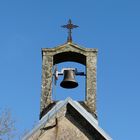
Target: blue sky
[[111, 26]]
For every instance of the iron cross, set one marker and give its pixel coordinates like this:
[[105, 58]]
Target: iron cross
[[70, 26]]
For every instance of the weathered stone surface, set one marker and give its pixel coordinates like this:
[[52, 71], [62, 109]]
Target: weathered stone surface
[[91, 83], [64, 128], [85, 56]]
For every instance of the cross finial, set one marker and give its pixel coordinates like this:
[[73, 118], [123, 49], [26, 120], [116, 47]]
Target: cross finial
[[70, 26]]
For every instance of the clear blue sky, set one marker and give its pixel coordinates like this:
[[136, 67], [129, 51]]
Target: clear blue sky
[[111, 26]]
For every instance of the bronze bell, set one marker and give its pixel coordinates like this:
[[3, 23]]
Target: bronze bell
[[69, 79]]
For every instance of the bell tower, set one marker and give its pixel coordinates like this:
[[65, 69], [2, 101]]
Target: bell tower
[[74, 53], [68, 119]]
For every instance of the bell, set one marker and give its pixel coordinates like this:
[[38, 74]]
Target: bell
[[69, 79]]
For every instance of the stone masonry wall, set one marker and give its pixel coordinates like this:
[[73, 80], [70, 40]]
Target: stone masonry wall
[[47, 65]]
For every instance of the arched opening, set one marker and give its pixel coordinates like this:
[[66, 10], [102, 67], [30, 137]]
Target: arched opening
[[70, 60]]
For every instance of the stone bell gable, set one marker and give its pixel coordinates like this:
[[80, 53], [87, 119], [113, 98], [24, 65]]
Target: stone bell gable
[[64, 53], [67, 120]]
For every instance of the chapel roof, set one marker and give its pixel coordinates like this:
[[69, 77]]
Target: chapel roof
[[78, 112]]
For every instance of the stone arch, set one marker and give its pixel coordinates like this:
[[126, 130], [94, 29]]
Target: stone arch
[[69, 56]]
